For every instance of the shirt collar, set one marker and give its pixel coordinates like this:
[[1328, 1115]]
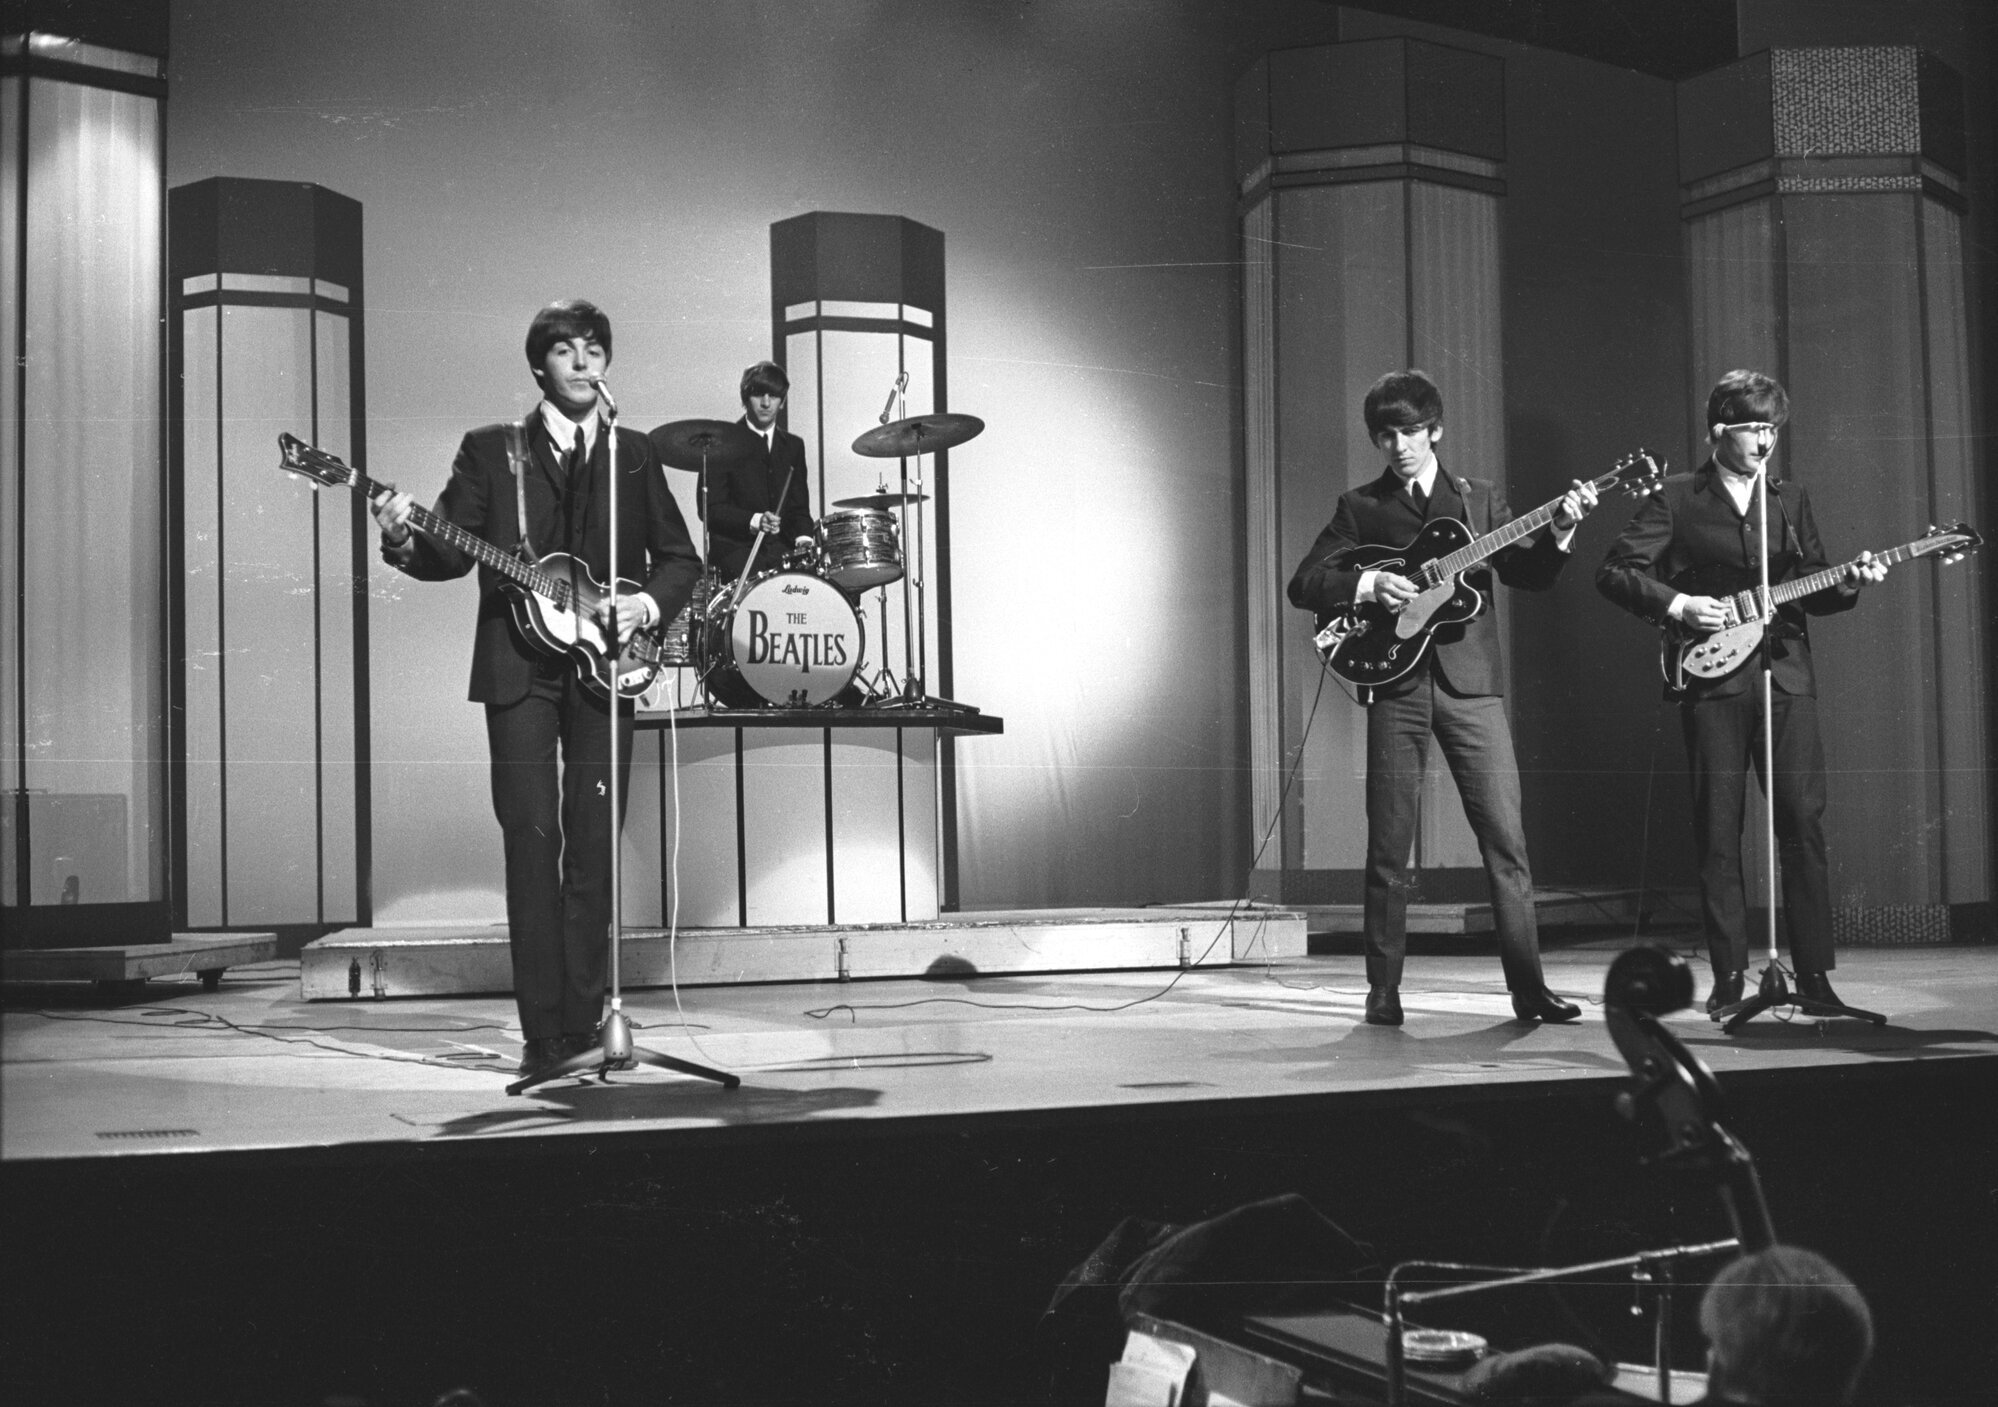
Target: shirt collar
[[1426, 478], [562, 430], [768, 434]]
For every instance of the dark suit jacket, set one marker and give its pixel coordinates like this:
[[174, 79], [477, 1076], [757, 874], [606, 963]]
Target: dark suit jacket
[[1380, 514], [750, 487], [653, 546], [1689, 538]]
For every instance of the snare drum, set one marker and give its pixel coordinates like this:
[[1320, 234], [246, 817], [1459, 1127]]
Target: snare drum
[[793, 640], [860, 548]]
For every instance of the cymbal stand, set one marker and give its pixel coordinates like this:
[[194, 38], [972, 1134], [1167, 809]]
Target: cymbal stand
[[915, 690], [614, 1049], [1772, 990]]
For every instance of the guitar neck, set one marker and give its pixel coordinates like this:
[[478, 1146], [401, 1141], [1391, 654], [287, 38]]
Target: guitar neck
[[527, 574], [1831, 576], [1498, 539]]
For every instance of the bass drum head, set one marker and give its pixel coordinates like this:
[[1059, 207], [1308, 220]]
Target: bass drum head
[[792, 641]]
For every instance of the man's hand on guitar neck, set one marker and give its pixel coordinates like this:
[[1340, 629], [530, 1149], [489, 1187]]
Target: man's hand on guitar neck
[[391, 512], [1865, 569]]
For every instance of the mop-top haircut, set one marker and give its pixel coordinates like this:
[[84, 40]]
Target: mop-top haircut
[[1747, 397], [560, 321], [1402, 400]]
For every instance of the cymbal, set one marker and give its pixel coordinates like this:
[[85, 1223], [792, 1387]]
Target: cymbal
[[881, 500], [685, 444], [919, 434]]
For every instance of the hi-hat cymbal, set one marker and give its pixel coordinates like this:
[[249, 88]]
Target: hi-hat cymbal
[[687, 444], [881, 500], [919, 434]]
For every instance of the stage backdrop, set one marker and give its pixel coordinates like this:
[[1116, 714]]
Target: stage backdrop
[[1076, 157]]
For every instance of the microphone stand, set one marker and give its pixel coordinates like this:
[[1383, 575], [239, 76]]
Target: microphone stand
[[1773, 990], [614, 1049]]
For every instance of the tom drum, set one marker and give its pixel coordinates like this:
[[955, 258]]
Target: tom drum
[[859, 548]]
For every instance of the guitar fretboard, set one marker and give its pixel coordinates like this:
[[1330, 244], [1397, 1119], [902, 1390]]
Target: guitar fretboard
[[1441, 569], [1744, 602], [528, 574]]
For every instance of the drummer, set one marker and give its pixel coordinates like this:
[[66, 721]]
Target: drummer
[[765, 492]]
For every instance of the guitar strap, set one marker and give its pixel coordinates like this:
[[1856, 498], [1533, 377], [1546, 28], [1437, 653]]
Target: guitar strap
[[516, 463]]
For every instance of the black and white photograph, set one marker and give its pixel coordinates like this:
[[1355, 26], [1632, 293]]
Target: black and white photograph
[[1008, 703]]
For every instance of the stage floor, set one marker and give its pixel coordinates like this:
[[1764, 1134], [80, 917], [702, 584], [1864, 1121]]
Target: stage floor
[[253, 1067]]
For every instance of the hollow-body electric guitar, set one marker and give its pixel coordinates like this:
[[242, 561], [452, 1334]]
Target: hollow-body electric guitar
[[1367, 644], [1686, 654], [555, 599]]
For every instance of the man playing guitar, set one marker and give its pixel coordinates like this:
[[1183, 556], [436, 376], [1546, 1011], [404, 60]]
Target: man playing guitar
[[554, 469], [1454, 694], [1690, 545]]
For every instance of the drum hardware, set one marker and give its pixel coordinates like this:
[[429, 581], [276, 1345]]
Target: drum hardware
[[912, 437], [859, 548]]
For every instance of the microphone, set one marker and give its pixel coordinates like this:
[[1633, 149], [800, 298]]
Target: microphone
[[603, 389], [901, 385]]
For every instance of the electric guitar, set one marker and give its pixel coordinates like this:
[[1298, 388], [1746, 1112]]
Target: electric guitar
[[1686, 654], [1367, 644], [554, 599]]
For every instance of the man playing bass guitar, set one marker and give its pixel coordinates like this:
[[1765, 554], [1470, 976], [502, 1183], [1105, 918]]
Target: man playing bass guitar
[[1691, 545], [555, 466], [1454, 694]]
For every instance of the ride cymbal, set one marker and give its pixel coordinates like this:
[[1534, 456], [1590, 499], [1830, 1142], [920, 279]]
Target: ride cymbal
[[919, 434], [688, 444]]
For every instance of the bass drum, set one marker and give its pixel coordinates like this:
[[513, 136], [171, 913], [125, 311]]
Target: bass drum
[[792, 641]]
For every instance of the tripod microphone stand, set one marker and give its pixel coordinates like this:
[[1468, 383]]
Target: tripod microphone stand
[[1773, 990], [614, 1049]]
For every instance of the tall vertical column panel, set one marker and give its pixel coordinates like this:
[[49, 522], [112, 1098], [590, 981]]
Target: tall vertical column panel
[[1453, 333], [1265, 571], [82, 704], [1957, 494], [337, 602], [1342, 320], [268, 622], [203, 663], [272, 676], [1858, 440], [1828, 251]]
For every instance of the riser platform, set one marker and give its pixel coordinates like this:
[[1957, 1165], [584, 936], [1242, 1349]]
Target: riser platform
[[417, 961]]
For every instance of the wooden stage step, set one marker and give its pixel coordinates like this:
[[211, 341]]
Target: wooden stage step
[[1553, 908], [128, 966], [411, 961]]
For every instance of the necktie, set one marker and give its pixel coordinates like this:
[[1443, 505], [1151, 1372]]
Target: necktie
[[1418, 498], [575, 464]]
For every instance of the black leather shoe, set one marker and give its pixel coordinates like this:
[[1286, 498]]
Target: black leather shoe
[[1383, 1006], [1726, 992], [1543, 1005], [1815, 986], [537, 1054]]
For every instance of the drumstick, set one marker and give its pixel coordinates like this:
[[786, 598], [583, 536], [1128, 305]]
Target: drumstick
[[757, 546]]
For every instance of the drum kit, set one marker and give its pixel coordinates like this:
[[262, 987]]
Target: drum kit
[[795, 637]]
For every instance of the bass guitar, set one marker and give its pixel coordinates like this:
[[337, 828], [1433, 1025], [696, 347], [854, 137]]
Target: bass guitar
[[554, 600], [1686, 654], [1367, 644]]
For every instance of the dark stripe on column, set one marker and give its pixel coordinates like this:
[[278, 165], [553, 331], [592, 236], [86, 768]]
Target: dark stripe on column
[[23, 849], [741, 843], [901, 830], [318, 644], [832, 913], [221, 629]]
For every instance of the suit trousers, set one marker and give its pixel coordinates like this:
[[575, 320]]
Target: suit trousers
[[558, 835], [1477, 743], [1723, 741]]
